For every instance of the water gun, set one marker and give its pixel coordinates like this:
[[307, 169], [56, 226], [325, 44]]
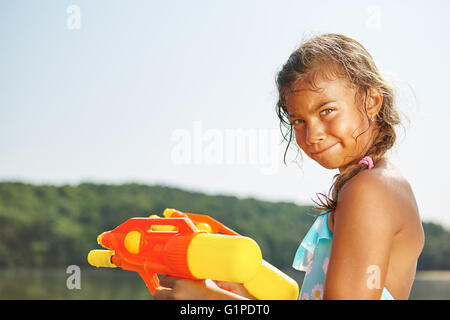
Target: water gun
[[192, 246]]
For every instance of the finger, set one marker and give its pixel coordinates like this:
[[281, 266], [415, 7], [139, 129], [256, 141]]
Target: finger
[[235, 287], [168, 281], [227, 285], [163, 294]]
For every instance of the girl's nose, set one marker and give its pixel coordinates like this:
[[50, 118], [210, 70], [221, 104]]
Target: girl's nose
[[314, 134]]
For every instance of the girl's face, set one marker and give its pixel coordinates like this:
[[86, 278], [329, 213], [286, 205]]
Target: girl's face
[[327, 120]]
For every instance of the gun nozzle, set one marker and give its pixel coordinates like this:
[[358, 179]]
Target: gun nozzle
[[101, 258]]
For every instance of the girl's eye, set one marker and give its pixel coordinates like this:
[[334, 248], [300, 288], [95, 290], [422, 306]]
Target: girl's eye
[[299, 121], [296, 122], [327, 110]]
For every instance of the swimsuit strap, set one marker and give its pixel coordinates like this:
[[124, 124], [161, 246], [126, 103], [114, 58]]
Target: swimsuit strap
[[368, 161]]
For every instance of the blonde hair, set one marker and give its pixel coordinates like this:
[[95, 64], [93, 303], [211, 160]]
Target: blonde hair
[[352, 61]]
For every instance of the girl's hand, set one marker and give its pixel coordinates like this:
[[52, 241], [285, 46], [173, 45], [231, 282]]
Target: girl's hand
[[186, 289], [174, 288], [236, 288]]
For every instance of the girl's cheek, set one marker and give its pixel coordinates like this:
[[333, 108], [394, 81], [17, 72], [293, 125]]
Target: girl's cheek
[[343, 130], [352, 126], [299, 137]]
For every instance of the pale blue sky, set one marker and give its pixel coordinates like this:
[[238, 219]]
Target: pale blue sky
[[102, 103]]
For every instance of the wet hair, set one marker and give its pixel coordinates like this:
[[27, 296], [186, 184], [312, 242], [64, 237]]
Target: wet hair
[[339, 55]]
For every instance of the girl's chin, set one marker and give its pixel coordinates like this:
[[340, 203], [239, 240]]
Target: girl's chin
[[331, 164], [325, 162], [328, 163]]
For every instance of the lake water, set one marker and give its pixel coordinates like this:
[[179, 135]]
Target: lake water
[[107, 284]]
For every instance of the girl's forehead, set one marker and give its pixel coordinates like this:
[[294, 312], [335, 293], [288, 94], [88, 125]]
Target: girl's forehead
[[323, 89], [321, 84]]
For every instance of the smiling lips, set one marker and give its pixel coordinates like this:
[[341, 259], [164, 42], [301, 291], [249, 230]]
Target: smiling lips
[[328, 148]]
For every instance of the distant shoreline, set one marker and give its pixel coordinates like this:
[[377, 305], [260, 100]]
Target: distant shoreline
[[433, 275]]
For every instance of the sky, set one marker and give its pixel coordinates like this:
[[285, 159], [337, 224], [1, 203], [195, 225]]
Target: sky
[[183, 94]]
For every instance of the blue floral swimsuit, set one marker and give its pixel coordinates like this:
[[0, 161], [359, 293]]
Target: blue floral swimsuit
[[313, 256]]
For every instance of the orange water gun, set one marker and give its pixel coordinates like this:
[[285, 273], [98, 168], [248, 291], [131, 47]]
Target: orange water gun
[[193, 246]]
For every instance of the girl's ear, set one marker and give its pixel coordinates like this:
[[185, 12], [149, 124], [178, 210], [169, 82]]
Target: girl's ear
[[374, 101]]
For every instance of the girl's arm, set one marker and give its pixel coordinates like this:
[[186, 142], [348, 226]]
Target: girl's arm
[[186, 289], [365, 224]]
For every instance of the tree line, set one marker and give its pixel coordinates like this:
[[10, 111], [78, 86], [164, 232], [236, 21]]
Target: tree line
[[44, 226]]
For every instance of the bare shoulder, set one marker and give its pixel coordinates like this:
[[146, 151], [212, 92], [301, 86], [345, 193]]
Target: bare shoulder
[[384, 195]]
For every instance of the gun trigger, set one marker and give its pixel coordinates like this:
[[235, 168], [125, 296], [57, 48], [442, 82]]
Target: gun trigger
[[151, 280]]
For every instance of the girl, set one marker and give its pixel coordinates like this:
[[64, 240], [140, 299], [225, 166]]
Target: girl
[[366, 241]]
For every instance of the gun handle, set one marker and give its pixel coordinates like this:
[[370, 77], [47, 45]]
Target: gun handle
[[151, 280]]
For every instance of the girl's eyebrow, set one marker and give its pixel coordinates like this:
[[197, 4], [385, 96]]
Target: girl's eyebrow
[[292, 115]]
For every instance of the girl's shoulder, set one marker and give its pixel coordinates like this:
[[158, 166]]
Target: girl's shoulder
[[385, 179], [388, 180], [385, 188]]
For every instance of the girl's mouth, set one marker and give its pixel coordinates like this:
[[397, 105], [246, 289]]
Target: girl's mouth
[[324, 150]]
